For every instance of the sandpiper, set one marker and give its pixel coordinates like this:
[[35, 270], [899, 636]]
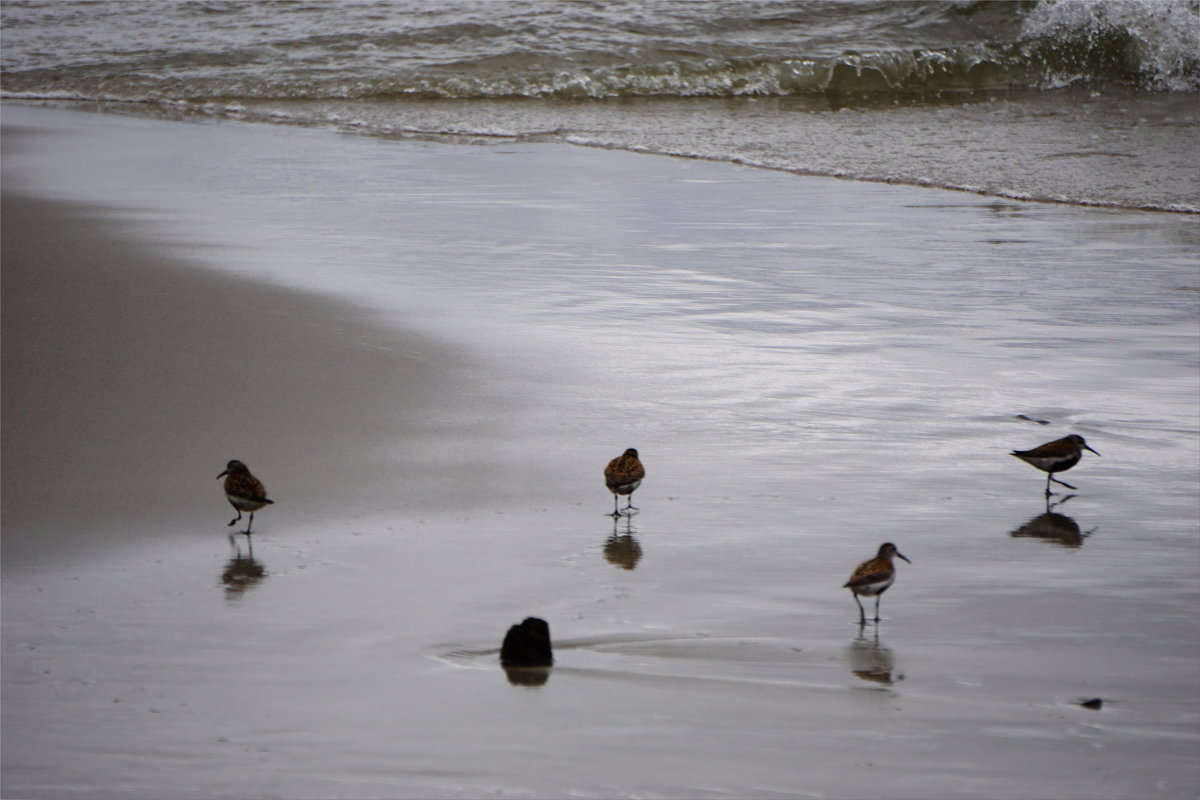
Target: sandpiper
[[622, 475], [244, 491], [872, 578], [1057, 456]]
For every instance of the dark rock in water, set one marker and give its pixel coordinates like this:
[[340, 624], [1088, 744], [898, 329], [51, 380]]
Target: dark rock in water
[[1095, 703], [527, 645]]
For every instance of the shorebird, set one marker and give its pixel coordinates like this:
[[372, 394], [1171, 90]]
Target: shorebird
[[244, 492], [1057, 456], [622, 475], [872, 578]]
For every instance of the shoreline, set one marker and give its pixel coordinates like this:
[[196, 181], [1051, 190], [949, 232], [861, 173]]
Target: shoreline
[[845, 169]]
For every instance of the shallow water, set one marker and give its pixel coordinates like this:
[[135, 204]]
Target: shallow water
[[796, 359]]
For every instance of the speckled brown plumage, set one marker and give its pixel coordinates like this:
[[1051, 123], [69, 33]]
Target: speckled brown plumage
[[873, 577], [244, 491], [622, 476]]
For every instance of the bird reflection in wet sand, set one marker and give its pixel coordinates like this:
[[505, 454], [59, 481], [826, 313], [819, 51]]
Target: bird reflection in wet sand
[[873, 577], [622, 548], [622, 476], [1057, 456], [243, 572], [1053, 527], [243, 491], [870, 660]]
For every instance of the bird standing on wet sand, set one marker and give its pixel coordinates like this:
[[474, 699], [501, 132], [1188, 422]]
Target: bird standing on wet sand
[[244, 491], [622, 475], [1057, 456], [873, 578]]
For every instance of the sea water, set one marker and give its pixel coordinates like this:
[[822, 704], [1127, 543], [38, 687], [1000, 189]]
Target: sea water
[[1079, 101]]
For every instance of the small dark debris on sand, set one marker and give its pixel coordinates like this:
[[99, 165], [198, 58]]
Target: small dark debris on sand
[[527, 645]]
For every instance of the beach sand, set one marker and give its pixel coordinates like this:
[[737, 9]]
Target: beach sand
[[439, 479], [129, 377]]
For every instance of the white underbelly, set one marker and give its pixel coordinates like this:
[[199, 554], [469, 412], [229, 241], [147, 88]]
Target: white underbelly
[[872, 589], [244, 503], [627, 488]]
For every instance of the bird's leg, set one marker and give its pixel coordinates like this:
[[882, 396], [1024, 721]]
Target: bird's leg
[[235, 519], [629, 506], [862, 615], [1056, 480], [878, 597], [616, 503], [250, 524]]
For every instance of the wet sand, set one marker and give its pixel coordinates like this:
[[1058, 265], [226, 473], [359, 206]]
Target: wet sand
[[439, 481], [129, 377]]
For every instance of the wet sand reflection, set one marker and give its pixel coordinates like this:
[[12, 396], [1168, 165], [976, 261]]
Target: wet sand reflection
[[871, 660], [1053, 527], [242, 572], [622, 548], [527, 676]]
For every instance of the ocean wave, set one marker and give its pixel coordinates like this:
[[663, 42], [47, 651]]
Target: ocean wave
[[889, 76], [1150, 44], [896, 52], [719, 80]]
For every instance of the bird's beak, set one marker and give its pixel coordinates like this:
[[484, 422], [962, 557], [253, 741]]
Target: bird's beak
[[223, 474], [901, 555], [1085, 447]]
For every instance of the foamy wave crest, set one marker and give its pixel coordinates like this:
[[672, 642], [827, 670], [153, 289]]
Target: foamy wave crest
[[910, 71], [1148, 43]]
